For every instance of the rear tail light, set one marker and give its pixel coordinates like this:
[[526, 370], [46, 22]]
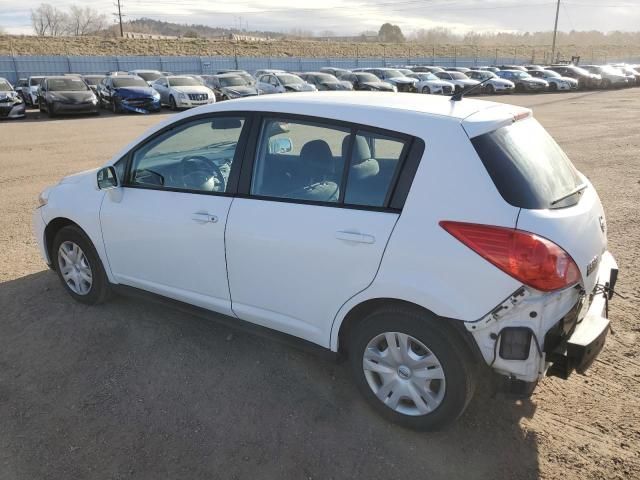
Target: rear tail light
[[533, 260]]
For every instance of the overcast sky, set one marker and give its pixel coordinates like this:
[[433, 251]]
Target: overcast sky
[[350, 17]]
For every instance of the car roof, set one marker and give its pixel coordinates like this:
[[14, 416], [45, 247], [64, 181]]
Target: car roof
[[371, 102], [126, 76], [143, 70]]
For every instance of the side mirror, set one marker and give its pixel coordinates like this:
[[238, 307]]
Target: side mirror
[[107, 178], [280, 145]]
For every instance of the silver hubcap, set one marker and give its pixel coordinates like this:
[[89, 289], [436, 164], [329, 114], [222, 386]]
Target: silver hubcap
[[74, 268], [404, 374]]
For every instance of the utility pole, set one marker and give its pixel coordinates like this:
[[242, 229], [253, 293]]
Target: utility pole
[[119, 15], [555, 33]]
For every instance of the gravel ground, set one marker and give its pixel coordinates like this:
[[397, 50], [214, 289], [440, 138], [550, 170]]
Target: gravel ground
[[132, 389]]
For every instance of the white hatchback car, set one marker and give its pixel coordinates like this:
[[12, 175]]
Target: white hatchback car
[[427, 240]]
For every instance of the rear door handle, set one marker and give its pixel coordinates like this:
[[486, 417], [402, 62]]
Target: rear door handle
[[203, 217], [355, 237]]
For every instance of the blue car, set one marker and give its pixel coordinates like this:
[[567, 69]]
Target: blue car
[[124, 93]]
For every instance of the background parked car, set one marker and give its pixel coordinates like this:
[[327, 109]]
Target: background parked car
[[585, 79], [283, 82], [394, 77], [493, 83], [555, 80], [66, 95], [368, 82], [523, 81], [127, 93], [22, 87], [32, 93], [458, 69], [629, 71], [489, 69], [511, 67], [92, 81], [429, 83], [611, 77], [11, 102], [325, 81], [459, 80], [230, 85], [180, 92], [148, 76]]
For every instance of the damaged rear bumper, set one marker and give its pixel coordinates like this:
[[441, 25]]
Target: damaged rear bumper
[[533, 334]]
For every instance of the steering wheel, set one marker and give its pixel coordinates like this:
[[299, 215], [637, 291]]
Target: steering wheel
[[204, 174]]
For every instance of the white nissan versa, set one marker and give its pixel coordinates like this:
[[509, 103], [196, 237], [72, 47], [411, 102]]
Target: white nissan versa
[[425, 239]]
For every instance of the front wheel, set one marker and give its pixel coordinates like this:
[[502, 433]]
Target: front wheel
[[172, 104], [79, 267], [426, 90], [489, 89], [411, 368]]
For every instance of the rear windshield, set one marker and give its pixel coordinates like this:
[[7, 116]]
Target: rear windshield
[[149, 76], [528, 167], [128, 82]]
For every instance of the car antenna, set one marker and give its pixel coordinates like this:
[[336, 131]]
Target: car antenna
[[456, 97]]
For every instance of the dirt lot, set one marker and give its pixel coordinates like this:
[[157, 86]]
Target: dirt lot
[[134, 390], [32, 45]]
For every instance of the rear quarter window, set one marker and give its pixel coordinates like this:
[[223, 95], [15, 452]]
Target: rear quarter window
[[527, 166]]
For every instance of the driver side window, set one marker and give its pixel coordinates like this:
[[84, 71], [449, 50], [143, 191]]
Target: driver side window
[[196, 156]]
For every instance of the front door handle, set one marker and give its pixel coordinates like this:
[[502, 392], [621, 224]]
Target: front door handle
[[355, 237], [203, 217]]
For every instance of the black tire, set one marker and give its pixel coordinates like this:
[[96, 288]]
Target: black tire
[[606, 84], [490, 89], [99, 290], [172, 104], [50, 111], [457, 363], [114, 106], [426, 90], [100, 102], [520, 88], [553, 87], [40, 106]]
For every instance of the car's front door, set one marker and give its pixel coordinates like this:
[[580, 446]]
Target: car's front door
[[311, 223], [164, 229]]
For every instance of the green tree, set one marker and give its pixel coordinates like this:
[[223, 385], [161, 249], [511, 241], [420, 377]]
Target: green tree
[[389, 33]]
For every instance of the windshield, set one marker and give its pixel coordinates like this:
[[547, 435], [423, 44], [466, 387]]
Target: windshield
[[392, 73], [325, 78], [426, 76], [120, 82], [519, 74], [66, 85], [34, 81], [93, 80], [290, 79], [457, 75], [482, 75], [5, 86], [149, 76], [528, 167], [183, 82], [551, 74], [581, 70], [233, 82], [367, 77]]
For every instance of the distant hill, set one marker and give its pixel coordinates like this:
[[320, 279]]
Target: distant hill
[[170, 29]]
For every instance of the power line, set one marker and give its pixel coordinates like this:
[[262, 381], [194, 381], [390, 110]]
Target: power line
[[555, 32]]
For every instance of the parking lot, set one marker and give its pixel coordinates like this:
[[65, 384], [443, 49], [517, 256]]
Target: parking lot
[[132, 389]]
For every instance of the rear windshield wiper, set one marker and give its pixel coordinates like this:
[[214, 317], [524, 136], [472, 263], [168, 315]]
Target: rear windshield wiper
[[573, 192]]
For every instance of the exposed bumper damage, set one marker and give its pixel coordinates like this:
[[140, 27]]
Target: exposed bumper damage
[[533, 333]]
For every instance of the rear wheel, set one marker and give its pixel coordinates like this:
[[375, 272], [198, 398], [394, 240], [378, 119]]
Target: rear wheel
[[79, 267], [411, 368], [553, 87]]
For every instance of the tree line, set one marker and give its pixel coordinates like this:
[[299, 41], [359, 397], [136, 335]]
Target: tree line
[[76, 21]]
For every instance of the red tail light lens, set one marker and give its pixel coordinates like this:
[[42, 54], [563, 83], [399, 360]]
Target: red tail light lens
[[533, 260]]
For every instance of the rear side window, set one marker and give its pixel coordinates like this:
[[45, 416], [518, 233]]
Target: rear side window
[[528, 167]]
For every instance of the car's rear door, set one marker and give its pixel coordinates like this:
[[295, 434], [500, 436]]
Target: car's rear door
[[164, 229], [301, 241]]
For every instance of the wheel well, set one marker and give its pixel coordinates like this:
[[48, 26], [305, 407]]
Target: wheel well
[[358, 313], [52, 228]]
